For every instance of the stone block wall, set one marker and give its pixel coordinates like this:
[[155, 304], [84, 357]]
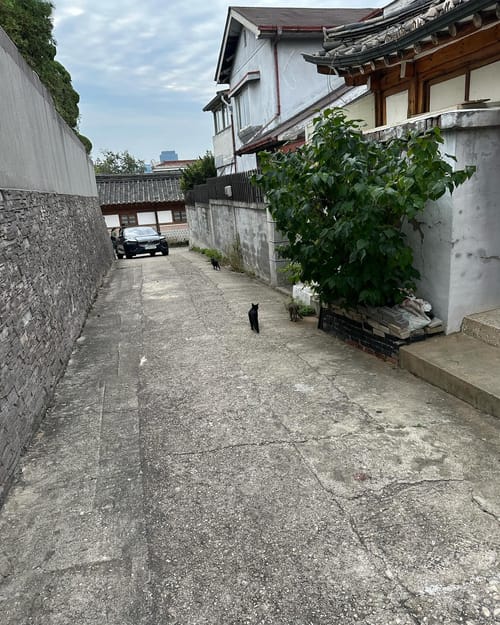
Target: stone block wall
[[54, 252]]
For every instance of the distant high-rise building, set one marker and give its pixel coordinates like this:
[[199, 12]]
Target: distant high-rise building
[[168, 155]]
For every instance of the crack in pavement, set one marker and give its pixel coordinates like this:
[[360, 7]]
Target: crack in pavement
[[399, 487], [214, 450], [481, 504], [375, 554]]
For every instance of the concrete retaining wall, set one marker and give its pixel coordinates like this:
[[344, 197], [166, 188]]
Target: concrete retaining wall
[[37, 149], [224, 224], [54, 252]]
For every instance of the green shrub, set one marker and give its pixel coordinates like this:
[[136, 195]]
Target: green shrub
[[306, 311], [211, 253], [342, 201], [198, 172]]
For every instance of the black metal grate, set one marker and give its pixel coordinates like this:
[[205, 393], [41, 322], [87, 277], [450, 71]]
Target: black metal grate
[[236, 187]]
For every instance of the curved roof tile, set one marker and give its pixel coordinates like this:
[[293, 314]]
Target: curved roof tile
[[138, 189], [395, 32]]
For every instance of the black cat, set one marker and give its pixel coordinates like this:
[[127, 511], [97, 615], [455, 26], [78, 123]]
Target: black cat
[[253, 316], [215, 264]]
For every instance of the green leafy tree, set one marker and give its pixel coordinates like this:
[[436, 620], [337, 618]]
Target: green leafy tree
[[198, 172], [118, 163], [342, 201], [29, 24]]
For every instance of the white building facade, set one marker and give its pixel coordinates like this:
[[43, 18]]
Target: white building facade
[[266, 81]]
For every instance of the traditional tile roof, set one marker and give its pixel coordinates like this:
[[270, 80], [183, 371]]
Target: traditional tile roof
[[271, 22], [138, 189], [401, 33]]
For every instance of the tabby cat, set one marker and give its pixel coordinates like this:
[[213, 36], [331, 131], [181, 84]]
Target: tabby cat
[[293, 309]]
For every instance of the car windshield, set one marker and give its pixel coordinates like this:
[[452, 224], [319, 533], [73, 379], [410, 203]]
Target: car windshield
[[142, 231]]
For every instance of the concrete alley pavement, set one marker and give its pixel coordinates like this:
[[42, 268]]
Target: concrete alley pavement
[[191, 472]]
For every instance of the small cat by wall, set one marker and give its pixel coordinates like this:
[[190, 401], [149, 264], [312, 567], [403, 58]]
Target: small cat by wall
[[293, 310], [253, 316]]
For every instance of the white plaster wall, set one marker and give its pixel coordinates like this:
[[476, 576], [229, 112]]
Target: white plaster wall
[[38, 151], [447, 93], [432, 245], [475, 258], [362, 108], [397, 107], [358, 104], [457, 249], [485, 82], [300, 83], [256, 55]]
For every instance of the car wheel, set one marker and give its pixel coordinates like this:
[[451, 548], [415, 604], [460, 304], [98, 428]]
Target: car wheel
[[119, 255], [129, 255], [152, 253], [165, 253]]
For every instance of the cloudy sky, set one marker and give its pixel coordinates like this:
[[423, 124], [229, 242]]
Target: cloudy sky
[[144, 70]]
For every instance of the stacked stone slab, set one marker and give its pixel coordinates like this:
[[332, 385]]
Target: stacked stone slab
[[380, 331]]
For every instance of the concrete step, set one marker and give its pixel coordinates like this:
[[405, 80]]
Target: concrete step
[[462, 365], [484, 326]]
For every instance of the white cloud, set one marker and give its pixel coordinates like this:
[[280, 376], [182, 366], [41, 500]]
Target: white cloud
[[153, 53], [67, 12]]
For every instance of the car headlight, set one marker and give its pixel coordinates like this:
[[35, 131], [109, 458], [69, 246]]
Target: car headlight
[[130, 240]]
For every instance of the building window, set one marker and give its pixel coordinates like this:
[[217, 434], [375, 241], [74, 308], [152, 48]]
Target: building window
[[180, 216], [112, 221], [242, 109], [221, 118], [129, 219]]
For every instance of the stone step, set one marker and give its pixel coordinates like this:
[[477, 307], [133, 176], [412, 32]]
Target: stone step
[[484, 326], [462, 365]]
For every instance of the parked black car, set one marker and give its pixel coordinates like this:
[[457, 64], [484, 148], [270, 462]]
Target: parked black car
[[140, 240]]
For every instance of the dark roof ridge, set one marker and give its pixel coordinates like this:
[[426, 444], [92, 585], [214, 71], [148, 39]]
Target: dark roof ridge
[[124, 177], [376, 23], [407, 37]]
